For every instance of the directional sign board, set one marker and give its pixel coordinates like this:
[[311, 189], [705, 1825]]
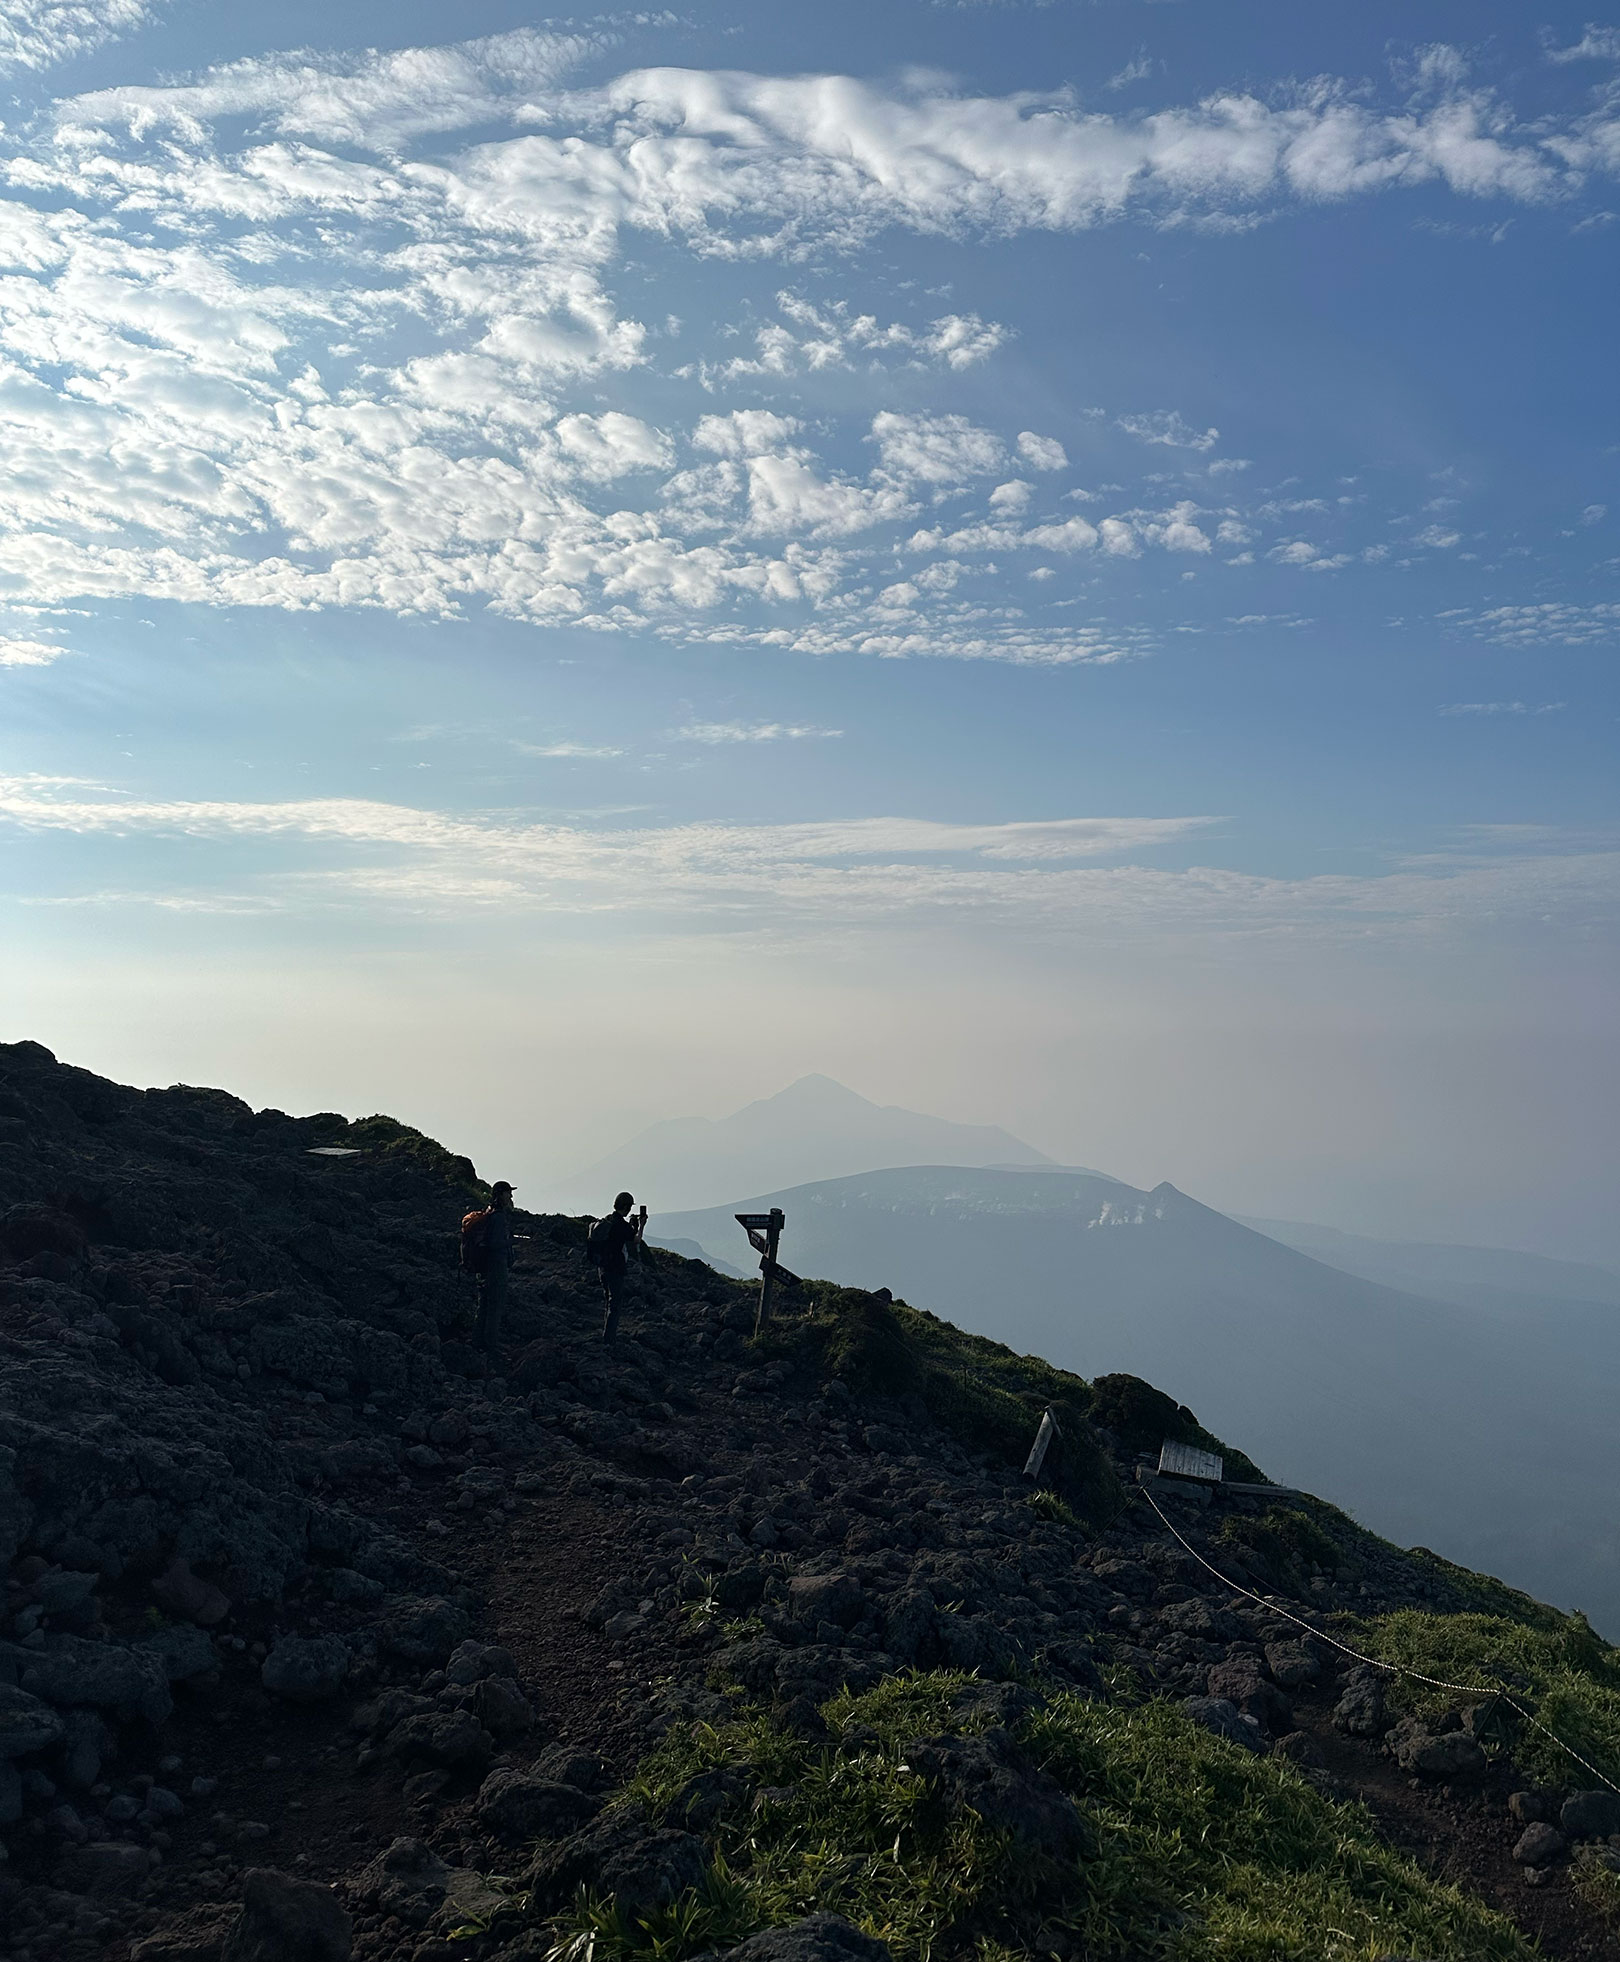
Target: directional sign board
[[1186, 1461], [755, 1222]]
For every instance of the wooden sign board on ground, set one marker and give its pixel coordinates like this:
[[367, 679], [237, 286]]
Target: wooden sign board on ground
[[1186, 1461]]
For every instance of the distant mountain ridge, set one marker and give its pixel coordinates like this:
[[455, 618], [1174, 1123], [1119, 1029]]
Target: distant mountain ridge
[[1497, 1279], [814, 1129], [1486, 1434]]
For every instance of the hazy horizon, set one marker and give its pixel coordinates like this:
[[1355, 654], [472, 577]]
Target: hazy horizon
[[1057, 565]]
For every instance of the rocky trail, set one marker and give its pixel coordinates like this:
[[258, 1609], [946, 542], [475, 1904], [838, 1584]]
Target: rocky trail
[[318, 1639]]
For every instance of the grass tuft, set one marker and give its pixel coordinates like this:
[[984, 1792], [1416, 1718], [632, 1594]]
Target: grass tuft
[[1201, 1852], [1564, 1674]]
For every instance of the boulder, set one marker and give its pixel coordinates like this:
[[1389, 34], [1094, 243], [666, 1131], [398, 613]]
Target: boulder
[[517, 1805], [817, 1938], [452, 1738], [1241, 1680], [407, 1879], [423, 1630], [476, 1662], [1361, 1710], [132, 1682], [306, 1669], [1225, 1719], [11, 1793], [988, 1775], [815, 1598], [908, 1626], [1590, 1815], [26, 1724], [1446, 1755], [624, 1859], [180, 1592], [287, 1920], [185, 1652], [87, 1744], [501, 1707], [1539, 1845], [1293, 1665], [104, 1867]]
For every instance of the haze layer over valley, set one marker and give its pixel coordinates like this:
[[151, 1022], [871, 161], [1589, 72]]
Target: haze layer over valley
[[1467, 1406]]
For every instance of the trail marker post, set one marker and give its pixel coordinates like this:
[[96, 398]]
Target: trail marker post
[[1045, 1438], [764, 1232]]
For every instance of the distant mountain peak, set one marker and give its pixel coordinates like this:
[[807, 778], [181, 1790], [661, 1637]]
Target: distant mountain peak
[[814, 1128], [817, 1088]]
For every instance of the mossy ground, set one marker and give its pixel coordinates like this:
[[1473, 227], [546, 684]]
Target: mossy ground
[[1200, 1852]]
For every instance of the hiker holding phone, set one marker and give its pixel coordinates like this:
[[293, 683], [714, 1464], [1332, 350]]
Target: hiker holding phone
[[608, 1248]]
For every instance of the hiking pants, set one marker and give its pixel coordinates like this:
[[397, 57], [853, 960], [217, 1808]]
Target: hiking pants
[[613, 1293], [491, 1305]]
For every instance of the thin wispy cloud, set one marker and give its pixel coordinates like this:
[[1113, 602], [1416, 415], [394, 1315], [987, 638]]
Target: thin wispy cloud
[[1502, 708], [753, 732], [586, 750], [865, 872]]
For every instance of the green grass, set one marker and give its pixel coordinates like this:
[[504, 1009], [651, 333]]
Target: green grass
[[1597, 1887], [1199, 1852], [1562, 1672]]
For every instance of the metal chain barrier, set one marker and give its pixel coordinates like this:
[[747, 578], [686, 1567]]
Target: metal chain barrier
[[1493, 1690]]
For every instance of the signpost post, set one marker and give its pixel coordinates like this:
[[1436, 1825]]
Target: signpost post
[[764, 1232]]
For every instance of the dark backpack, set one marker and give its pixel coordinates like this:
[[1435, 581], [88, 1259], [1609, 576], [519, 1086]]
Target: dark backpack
[[599, 1241], [475, 1241]]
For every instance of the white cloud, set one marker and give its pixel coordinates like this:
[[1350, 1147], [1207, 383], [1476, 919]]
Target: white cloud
[[28, 653], [1594, 514], [1438, 538], [1596, 44], [944, 451], [752, 732], [1169, 427], [1311, 558], [744, 432], [377, 100], [811, 338], [40, 33], [1068, 535], [269, 341], [1548, 623], [612, 445], [1042, 452]]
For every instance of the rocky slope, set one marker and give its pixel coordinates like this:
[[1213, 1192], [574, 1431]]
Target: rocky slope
[[320, 1640]]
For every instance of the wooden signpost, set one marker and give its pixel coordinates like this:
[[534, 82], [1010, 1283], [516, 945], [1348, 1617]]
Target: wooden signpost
[[764, 1232]]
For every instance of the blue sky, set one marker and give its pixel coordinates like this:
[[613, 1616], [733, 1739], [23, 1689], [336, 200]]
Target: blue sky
[[1057, 563]]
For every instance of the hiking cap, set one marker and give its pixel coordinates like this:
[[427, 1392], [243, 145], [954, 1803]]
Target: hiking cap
[[501, 1185]]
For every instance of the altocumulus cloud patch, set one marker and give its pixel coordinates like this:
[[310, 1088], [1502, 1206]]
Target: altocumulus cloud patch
[[290, 335]]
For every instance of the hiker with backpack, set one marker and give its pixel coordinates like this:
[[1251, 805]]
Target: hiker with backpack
[[486, 1254], [608, 1248]]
